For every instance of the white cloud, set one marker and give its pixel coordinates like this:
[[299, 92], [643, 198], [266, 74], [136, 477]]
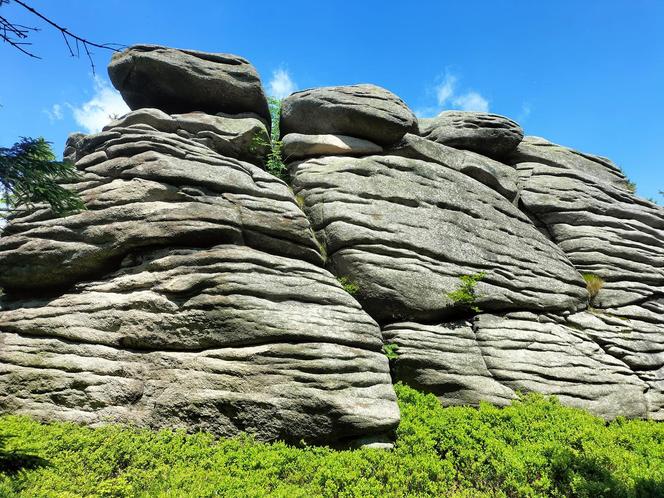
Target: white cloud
[[448, 97], [104, 106], [281, 85], [471, 101], [445, 90], [54, 113]]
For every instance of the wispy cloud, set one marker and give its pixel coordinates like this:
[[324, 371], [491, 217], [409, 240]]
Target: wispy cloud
[[104, 106], [448, 96], [445, 90], [471, 101], [281, 85], [55, 113], [526, 109]]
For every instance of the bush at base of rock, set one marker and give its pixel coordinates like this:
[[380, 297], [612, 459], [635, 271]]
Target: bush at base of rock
[[534, 448]]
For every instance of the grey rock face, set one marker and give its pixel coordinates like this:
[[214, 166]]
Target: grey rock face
[[298, 146], [499, 355], [603, 229], [488, 134], [405, 230], [148, 188], [634, 335], [226, 339], [181, 81], [446, 360], [493, 174], [363, 111], [234, 136], [541, 151], [199, 291]]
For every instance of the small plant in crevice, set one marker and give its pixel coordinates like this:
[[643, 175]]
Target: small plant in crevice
[[390, 351], [466, 293], [274, 163], [594, 284], [349, 286]]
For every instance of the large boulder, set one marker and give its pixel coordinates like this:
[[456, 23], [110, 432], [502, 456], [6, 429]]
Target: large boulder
[[498, 356], [446, 360], [603, 228], [539, 150], [496, 175], [227, 339], [149, 188], [189, 294], [487, 134], [363, 111], [404, 230], [181, 81]]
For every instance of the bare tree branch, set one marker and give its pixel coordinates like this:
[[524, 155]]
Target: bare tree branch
[[14, 34]]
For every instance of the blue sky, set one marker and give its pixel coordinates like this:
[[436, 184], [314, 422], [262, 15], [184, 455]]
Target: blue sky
[[588, 74]]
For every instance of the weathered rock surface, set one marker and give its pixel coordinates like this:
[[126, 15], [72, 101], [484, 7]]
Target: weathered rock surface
[[496, 175], [362, 111], [180, 81], [488, 134], [148, 188], [446, 360], [298, 146], [198, 291], [539, 150], [603, 228], [240, 136], [634, 335], [226, 339], [404, 230], [500, 355]]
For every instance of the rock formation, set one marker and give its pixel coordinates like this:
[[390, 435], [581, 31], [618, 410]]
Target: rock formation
[[199, 291]]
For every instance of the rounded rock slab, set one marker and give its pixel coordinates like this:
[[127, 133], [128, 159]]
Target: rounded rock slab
[[297, 146], [363, 111], [179, 81], [487, 134]]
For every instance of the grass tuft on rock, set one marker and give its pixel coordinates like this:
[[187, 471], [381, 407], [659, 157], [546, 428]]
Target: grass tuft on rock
[[594, 284], [534, 448]]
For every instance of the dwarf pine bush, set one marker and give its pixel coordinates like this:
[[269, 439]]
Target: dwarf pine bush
[[534, 448]]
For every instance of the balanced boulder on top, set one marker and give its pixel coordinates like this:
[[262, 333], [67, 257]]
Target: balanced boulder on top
[[488, 134], [363, 111], [179, 81]]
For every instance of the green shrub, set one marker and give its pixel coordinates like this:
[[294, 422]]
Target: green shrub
[[465, 294], [274, 163], [534, 448], [390, 351], [594, 284], [349, 286]]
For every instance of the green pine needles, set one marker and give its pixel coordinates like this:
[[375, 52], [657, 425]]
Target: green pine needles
[[29, 174], [466, 294]]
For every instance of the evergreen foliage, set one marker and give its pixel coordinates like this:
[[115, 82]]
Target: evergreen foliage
[[29, 174], [465, 294]]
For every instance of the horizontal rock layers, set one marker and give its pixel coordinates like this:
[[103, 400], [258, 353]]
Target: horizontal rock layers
[[199, 291], [190, 293], [225, 339], [405, 230]]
